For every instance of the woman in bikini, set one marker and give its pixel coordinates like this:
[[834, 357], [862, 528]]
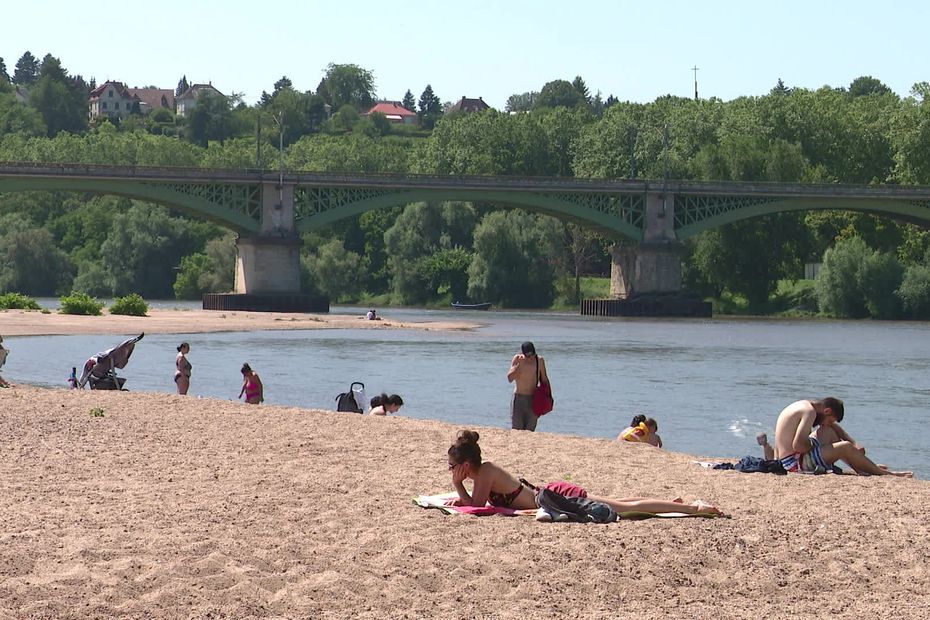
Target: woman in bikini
[[494, 485], [182, 369], [251, 386]]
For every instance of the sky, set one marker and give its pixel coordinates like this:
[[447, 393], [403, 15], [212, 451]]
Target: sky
[[636, 51]]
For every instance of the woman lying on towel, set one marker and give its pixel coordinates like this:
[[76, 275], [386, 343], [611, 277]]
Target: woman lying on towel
[[496, 486]]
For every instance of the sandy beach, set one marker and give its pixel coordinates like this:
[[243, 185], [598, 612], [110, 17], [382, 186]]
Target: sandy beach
[[143, 505], [160, 321]]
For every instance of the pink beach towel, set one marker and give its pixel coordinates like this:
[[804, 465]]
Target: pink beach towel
[[444, 501]]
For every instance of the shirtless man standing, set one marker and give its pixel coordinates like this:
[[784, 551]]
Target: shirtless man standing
[[526, 369], [799, 450]]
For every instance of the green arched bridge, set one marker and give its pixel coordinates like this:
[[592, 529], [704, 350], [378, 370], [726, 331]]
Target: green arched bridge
[[269, 211]]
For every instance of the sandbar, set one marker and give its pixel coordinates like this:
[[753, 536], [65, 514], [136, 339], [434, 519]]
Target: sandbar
[[167, 321]]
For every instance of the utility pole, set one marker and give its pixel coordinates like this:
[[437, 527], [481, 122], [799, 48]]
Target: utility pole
[[695, 69]]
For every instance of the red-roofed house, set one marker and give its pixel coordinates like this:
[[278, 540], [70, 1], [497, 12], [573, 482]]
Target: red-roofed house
[[469, 105], [153, 98], [110, 99], [394, 112]]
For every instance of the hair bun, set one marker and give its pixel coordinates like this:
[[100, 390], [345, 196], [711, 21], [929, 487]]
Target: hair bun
[[467, 437]]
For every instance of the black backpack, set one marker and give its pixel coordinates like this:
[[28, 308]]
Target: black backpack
[[346, 400]]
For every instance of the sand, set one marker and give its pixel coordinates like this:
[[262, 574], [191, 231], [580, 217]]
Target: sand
[[160, 321], [142, 505]]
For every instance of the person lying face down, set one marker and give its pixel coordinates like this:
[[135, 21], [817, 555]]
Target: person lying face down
[[495, 485]]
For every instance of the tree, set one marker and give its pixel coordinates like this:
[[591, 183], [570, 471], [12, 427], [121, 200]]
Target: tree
[[5, 77], [212, 270], [29, 261], [867, 85], [560, 93], [302, 113], [430, 108], [27, 70], [839, 291], [581, 88], [779, 89], [142, 249], [337, 272], [511, 265], [182, 86], [914, 291], [409, 103], [522, 102], [210, 120], [426, 251], [347, 85], [19, 118], [61, 100]]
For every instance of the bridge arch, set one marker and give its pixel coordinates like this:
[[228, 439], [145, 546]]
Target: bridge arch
[[695, 214], [615, 214], [234, 206]]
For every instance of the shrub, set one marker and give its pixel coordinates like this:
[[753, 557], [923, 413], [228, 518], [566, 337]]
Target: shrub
[[839, 292], [914, 291], [80, 303], [16, 301], [131, 304], [880, 276]]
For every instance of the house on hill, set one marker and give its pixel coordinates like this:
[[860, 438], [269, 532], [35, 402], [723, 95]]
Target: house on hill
[[110, 99], [469, 105], [394, 112], [153, 98], [187, 101]]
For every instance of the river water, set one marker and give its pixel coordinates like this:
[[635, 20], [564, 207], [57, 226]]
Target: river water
[[712, 384]]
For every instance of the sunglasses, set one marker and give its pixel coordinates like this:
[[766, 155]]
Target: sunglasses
[[453, 466]]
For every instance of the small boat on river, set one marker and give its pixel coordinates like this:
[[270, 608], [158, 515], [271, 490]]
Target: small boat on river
[[460, 306]]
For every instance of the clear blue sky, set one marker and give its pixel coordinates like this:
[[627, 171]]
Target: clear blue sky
[[636, 51]]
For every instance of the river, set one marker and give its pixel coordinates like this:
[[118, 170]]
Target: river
[[712, 384]]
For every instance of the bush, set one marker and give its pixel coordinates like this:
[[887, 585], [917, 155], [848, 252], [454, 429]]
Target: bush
[[132, 305], [914, 292], [80, 303], [839, 292], [16, 301]]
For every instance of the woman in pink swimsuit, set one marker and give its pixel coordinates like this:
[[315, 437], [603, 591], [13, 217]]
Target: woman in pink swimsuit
[[251, 386]]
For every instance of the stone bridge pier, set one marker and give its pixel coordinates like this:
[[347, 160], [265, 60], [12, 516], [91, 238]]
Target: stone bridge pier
[[269, 262], [652, 266]]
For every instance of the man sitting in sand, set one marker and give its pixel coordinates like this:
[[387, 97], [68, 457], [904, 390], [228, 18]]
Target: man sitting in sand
[[800, 449]]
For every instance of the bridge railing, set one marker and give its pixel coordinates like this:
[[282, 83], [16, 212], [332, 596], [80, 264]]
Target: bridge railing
[[502, 183]]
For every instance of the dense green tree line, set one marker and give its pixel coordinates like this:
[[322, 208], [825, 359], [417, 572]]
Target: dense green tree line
[[53, 242]]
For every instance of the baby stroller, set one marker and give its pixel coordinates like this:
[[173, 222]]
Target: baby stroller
[[100, 370]]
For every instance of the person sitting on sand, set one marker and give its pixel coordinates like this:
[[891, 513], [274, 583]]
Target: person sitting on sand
[[251, 386], [801, 449], [372, 315], [384, 404], [642, 430], [493, 484]]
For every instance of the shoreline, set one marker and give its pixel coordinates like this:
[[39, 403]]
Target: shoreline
[[162, 321], [134, 504]]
